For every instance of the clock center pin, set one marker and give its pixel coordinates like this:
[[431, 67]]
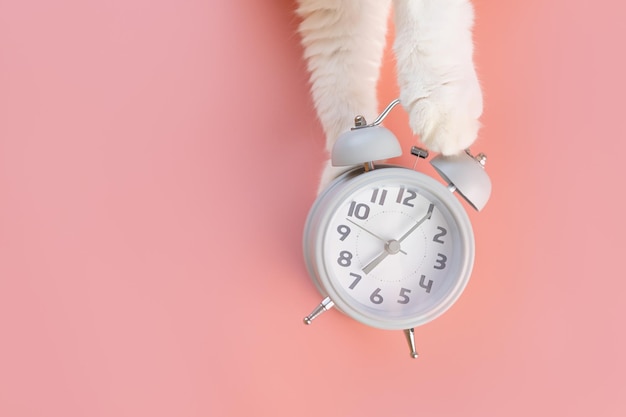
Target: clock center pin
[[392, 247]]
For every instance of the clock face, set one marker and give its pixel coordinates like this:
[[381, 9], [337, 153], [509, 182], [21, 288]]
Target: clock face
[[396, 248]]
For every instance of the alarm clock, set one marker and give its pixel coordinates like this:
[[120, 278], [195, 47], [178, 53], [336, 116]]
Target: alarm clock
[[389, 246]]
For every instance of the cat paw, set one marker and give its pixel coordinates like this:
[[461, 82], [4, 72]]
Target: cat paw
[[438, 83], [446, 118]]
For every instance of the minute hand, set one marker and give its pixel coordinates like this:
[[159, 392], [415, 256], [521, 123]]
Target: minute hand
[[371, 233], [416, 225]]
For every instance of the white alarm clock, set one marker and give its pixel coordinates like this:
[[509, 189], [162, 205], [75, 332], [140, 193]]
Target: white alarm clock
[[389, 246]]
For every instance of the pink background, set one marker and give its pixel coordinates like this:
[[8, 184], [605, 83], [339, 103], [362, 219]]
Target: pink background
[[157, 162]]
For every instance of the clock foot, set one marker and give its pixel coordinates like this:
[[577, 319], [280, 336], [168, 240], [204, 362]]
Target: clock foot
[[325, 305], [410, 337]]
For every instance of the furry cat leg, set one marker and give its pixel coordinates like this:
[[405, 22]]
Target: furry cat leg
[[343, 45], [438, 84]]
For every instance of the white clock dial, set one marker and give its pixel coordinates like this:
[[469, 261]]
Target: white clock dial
[[394, 248]]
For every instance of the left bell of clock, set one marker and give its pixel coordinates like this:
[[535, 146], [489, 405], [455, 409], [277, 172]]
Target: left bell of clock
[[366, 143]]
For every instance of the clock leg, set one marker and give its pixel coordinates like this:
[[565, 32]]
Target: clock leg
[[410, 337], [325, 305]]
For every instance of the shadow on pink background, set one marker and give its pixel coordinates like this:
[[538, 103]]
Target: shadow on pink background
[[157, 162]]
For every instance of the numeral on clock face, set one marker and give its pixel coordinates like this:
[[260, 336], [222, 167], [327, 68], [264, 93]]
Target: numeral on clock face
[[357, 278], [376, 198], [442, 233], [404, 298], [359, 210], [401, 199], [426, 285], [345, 258], [440, 263], [344, 231]]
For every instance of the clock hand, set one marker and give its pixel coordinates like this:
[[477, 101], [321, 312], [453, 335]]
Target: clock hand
[[374, 263], [371, 233], [420, 221], [391, 248]]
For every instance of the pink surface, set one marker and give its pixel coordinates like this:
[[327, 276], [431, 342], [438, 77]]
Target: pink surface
[[157, 162]]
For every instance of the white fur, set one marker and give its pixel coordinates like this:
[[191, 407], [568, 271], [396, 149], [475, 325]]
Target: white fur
[[438, 83], [343, 45]]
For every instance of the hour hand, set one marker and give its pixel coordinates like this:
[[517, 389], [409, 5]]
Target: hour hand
[[374, 263], [391, 248]]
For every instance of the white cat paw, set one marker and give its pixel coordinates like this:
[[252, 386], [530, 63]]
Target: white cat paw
[[447, 117]]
